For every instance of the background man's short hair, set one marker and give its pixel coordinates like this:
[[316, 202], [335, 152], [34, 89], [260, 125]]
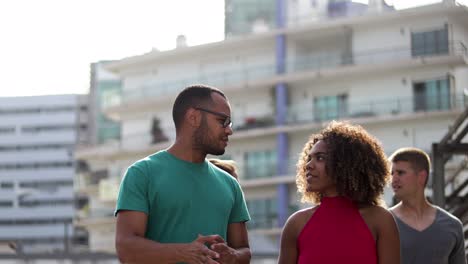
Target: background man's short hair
[[417, 157], [198, 95]]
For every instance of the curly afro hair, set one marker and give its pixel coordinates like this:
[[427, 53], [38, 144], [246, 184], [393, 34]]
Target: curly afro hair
[[356, 163]]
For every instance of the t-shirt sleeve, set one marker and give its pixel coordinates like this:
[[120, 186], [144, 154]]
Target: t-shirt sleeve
[[239, 211], [133, 191], [458, 254]]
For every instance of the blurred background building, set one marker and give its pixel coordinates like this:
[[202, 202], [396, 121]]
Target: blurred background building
[[38, 138], [289, 67], [92, 178], [104, 89]]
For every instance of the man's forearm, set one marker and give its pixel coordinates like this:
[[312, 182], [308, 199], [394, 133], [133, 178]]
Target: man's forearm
[[243, 255], [136, 249]]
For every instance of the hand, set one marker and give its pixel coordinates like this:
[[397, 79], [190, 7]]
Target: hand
[[197, 253], [227, 255]]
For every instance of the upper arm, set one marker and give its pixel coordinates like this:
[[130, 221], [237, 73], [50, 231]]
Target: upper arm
[[458, 253], [388, 240], [237, 236], [130, 223], [133, 192], [288, 248], [239, 212]]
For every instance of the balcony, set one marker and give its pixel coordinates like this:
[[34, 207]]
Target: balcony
[[299, 117], [109, 189], [303, 67], [374, 109], [307, 116], [88, 182], [129, 144], [264, 215], [254, 169]]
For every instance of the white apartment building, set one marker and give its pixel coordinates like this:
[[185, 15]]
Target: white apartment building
[[38, 136], [403, 75]]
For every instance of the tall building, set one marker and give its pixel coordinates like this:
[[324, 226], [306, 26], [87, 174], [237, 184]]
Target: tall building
[[401, 74], [247, 16], [244, 17], [104, 90], [38, 137]]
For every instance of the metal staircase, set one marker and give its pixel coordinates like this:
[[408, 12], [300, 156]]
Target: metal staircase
[[451, 191]]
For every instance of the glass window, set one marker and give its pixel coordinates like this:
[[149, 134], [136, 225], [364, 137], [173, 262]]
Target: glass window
[[263, 213], [241, 14], [6, 203], [432, 95], [259, 164], [6, 185], [330, 107], [429, 43]]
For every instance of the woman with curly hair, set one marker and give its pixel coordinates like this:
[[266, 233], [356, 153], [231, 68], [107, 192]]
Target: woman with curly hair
[[343, 170]]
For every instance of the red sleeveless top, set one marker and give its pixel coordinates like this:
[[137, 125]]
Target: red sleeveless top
[[336, 233]]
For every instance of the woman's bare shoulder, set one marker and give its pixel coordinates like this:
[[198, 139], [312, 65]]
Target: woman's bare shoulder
[[304, 214], [299, 219]]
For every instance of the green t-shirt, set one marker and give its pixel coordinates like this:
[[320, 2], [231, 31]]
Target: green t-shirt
[[182, 199]]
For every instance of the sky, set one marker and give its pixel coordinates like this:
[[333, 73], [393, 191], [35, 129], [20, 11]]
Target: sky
[[47, 46]]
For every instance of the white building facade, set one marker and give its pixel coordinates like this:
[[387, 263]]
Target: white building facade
[[403, 75], [38, 137]]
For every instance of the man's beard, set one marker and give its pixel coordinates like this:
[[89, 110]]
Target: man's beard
[[203, 142]]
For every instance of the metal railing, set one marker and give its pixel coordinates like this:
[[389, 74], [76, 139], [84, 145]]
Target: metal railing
[[263, 71], [300, 113], [262, 169], [374, 108]]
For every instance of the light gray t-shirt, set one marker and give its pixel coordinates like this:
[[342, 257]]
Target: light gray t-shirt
[[440, 243]]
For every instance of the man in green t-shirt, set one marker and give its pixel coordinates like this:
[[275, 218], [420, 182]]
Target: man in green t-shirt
[[175, 206]]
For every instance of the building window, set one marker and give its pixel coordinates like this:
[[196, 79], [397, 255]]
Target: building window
[[7, 130], [38, 129], [15, 111], [6, 185], [48, 185], [429, 42], [259, 164], [36, 203], [263, 213], [432, 95], [6, 203], [330, 107], [28, 166], [16, 148]]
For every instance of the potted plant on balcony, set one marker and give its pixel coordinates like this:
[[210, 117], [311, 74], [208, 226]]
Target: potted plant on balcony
[[157, 135]]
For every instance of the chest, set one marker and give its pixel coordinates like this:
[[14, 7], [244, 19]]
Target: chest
[[189, 193], [432, 245], [420, 224], [336, 237]]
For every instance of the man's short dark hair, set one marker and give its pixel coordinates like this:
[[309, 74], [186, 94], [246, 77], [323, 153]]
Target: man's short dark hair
[[192, 96], [418, 159]]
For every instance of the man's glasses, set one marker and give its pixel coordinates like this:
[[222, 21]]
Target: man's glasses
[[227, 119]]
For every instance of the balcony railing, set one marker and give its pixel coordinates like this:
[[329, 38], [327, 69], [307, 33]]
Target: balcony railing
[[303, 114], [140, 139], [302, 62], [268, 217], [300, 113], [373, 108], [263, 221], [261, 169]]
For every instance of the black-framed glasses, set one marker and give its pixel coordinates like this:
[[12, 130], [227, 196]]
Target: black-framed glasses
[[227, 119]]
